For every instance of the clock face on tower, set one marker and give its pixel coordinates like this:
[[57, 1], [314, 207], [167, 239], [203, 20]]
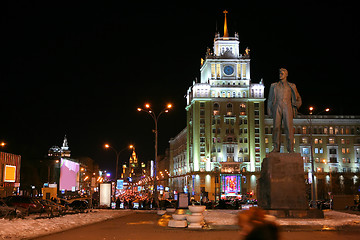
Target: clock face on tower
[[228, 70]]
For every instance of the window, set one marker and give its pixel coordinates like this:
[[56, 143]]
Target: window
[[331, 140], [306, 151], [304, 130], [242, 109], [239, 70], [325, 130], [218, 70], [332, 151], [229, 109], [243, 70], [212, 70]]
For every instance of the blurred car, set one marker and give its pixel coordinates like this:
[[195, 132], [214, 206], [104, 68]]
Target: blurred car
[[52, 208], [22, 203], [78, 205], [8, 212]]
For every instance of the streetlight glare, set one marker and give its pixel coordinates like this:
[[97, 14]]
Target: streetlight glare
[[139, 109], [147, 105], [107, 145], [2, 144], [169, 105], [131, 146], [327, 110], [311, 108]]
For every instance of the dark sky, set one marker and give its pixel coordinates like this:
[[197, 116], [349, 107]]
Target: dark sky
[[81, 68]]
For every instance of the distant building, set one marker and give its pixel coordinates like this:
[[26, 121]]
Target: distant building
[[56, 151], [9, 173]]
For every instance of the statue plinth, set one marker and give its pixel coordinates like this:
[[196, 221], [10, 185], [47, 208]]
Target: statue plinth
[[281, 187], [282, 183]]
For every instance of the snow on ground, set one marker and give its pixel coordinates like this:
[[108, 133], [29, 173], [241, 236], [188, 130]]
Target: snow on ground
[[30, 227], [332, 219]]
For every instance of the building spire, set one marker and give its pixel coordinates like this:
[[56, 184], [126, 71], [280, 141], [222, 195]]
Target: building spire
[[226, 34], [65, 145]]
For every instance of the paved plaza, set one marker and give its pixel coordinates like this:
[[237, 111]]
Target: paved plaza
[[148, 225]]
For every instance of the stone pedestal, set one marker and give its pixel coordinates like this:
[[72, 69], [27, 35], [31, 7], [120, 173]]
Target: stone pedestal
[[281, 183]]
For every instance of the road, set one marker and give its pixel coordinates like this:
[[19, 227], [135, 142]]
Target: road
[[148, 226]]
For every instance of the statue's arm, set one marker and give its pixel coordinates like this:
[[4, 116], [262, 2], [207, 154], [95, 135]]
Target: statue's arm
[[298, 98], [270, 101]]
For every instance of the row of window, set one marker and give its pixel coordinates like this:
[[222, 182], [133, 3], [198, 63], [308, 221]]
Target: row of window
[[321, 130]]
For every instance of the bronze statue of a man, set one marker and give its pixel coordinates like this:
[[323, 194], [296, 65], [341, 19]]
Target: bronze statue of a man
[[283, 102]]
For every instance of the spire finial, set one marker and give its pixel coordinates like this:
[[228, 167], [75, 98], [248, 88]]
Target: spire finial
[[226, 34]]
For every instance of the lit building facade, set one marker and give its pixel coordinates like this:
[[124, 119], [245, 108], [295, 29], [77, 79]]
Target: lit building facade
[[335, 141], [9, 173], [225, 113], [219, 153]]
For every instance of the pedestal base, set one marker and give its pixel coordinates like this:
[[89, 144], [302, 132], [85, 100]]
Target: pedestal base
[[281, 183]]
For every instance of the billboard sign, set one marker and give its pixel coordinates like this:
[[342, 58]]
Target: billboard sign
[[10, 173], [69, 172]]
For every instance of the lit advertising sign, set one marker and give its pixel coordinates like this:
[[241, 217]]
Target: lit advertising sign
[[120, 184], [105, 194], [10, 173], [231, 184], [69, 175]]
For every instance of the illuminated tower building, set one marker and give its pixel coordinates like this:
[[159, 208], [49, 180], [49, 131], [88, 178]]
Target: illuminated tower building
[[225, 119], [133, 161], [65, 152]]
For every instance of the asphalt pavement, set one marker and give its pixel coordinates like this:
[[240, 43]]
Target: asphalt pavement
[[150, 226]]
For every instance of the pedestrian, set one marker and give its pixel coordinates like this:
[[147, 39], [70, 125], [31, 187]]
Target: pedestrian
[[118, 203], [255, 225]]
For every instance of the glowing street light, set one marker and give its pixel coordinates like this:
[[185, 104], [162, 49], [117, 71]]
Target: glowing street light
[[108, 146], [155, 117]]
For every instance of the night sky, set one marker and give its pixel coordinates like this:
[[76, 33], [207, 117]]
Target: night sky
[[81, 68]]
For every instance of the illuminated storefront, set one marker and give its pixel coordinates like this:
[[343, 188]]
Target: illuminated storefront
[[230, 185]]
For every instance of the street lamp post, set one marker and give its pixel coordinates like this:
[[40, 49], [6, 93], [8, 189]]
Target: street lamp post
[[313, 190], [155, 118], [117, 156]]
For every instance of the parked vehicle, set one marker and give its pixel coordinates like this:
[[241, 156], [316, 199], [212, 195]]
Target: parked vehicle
[[78, 205], [24, 203], [52, 208], [8, 212]]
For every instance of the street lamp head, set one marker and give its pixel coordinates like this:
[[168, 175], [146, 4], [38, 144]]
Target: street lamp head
[[131, 146], [107, 146], [169, 106], [139, 109], [2, 144], [311, 108], [327, 110], [147, 105]]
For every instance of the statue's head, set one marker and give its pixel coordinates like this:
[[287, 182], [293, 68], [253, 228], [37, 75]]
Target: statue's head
[[283, 73]]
